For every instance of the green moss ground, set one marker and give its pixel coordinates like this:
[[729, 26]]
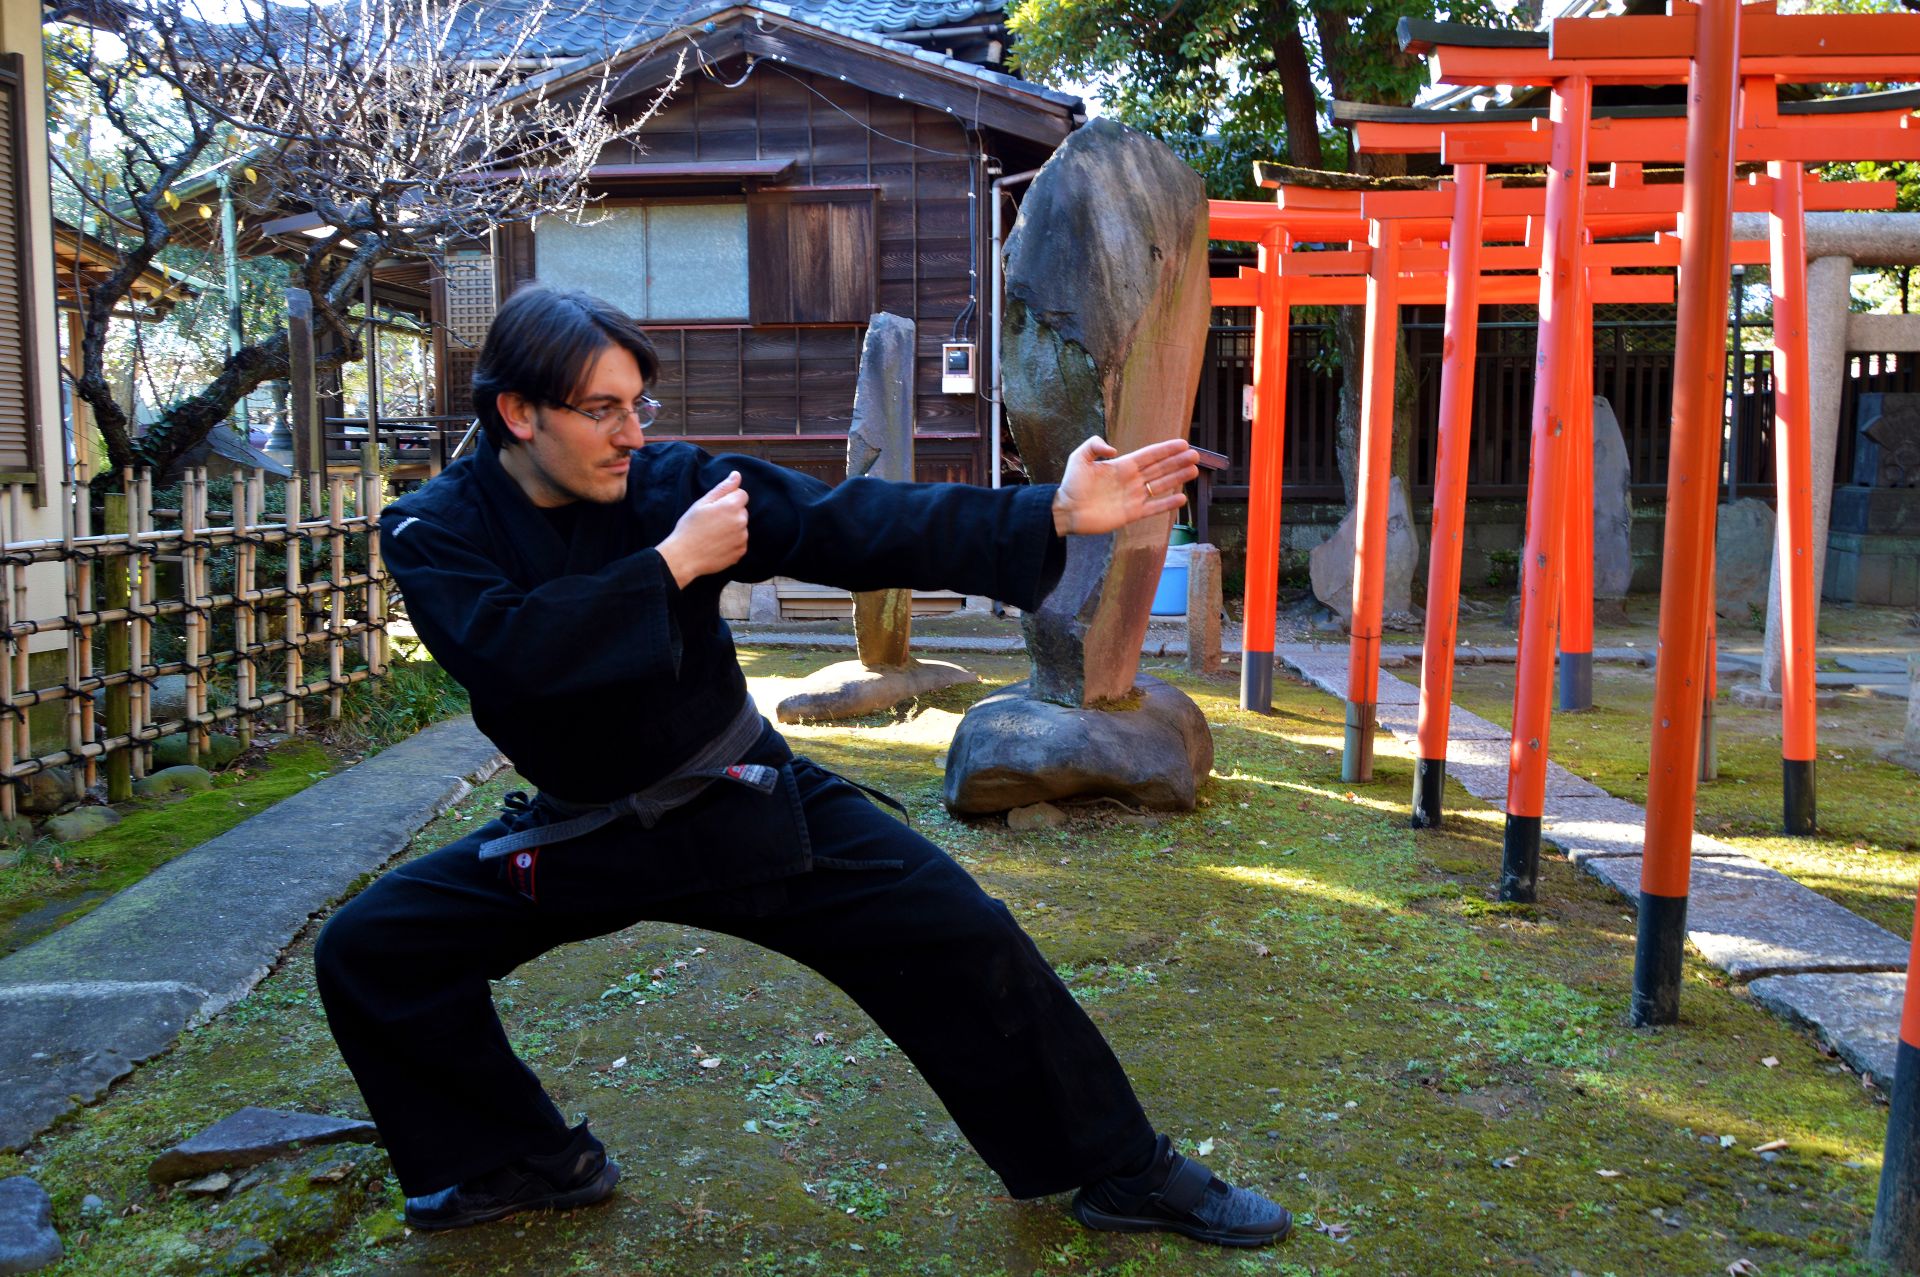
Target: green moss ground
[[49, 875], [1331, 1001], [1867, 853]]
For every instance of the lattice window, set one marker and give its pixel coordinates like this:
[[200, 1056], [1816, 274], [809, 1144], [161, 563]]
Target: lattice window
[[470, 308]]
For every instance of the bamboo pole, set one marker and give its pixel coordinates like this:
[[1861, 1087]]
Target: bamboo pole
[[294, 627], [119, 655]]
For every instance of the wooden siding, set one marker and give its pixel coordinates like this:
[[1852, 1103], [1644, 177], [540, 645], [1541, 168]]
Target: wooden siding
[[19, 359], [899, 175]]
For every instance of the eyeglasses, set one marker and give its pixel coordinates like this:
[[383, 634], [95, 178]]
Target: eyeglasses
[[611, 418]]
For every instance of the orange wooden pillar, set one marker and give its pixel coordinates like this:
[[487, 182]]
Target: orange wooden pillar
[[1793, 466], [1559, 351], [1693, 489], [1272, 324], [1895, 1240], [1576, 615], [1370, 519], [1459, 353]]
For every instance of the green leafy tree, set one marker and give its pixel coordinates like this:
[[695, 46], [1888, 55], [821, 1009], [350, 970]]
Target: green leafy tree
[[1228, 82]]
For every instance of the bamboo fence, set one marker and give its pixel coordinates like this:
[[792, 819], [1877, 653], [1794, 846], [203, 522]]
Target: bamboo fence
[[299, 622]]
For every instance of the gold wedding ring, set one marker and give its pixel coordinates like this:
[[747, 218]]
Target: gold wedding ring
[[1149, 484]]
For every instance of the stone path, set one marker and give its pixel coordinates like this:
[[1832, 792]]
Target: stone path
[[82, 1007], [1809, 959]]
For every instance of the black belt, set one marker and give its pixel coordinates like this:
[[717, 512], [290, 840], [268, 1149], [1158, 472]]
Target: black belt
[[712, 761]]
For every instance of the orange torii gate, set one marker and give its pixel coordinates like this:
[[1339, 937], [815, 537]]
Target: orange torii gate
[[1640, 131], [1410, 273], [1424, 274], [1731, 56]]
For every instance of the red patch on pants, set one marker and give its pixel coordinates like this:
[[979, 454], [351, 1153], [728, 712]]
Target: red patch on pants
[[522, 866]]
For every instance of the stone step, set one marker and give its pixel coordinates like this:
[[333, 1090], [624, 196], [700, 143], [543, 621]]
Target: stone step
[[1855, 1014]]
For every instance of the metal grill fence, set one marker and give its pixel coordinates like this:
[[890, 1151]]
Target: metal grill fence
[[260, 596]]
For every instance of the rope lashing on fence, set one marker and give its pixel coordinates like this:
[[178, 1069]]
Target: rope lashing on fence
[[137, 603]]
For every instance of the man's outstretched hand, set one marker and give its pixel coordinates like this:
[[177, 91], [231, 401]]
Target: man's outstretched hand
[[1103, 491]]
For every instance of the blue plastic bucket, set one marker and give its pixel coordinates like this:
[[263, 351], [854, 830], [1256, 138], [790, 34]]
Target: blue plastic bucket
[[1170, 597]]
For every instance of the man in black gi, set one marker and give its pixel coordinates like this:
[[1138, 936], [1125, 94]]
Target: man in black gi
[[569, 577]]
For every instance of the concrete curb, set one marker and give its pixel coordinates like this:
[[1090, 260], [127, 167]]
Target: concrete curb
[[80, 1008], [1745, 918]]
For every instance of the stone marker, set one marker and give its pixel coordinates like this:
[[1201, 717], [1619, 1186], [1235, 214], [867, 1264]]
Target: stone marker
[[254, 1135], [1855, 1013], [1908, 754], [82, 822], [880, 443], [1331, 562], [1013, 750], [1742, 557], [27, 1239], [1873, 546], [1204, 602], [1612, 506], [1104, 333], [182, 779]]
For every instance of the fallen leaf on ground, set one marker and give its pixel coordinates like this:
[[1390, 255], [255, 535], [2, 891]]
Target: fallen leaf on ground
[[822, 1038], [1772, 1061], [1339, 1232], [1608, 1174], [1771, 1146], [711, 1062], [1742, 1268], [1204, 1147]]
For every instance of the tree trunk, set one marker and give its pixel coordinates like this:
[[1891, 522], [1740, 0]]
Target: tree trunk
[[1350, 332], [1298, 95]]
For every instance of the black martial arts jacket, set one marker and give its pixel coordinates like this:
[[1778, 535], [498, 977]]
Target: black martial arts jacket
[[596, 675]]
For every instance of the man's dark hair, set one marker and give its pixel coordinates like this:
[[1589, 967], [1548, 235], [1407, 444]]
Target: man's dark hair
[[541, 344]]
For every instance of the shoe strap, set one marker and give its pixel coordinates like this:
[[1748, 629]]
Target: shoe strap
[[1186, 1185]]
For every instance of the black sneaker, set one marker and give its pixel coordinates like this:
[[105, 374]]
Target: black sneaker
[[1179, 1195], [578, 1175]]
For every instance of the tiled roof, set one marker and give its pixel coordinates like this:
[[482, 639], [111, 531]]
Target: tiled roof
[[576, 28]]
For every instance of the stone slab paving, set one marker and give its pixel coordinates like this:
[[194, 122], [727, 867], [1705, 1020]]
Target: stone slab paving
[[1752, 921], [1747, 919], [81, 1007], [1856, 1014]]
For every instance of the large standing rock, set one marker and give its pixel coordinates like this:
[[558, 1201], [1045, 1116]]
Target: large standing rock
[[1331, 562], [1105, 327], [1743, 557], [880, 443], [1612, 505], [1014, 750], [27, 1239]]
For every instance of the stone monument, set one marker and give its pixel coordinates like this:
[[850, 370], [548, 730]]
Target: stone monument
[[1330, 564], [1742, 557], [1873, 540], [1612, 513], [880, 444], [1107, 303]]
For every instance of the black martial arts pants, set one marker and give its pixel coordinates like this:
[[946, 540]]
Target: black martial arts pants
[[941, 967]]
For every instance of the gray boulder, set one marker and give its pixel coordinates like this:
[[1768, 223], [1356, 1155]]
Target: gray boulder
[[82, 822], [1612, 505], [50, 790], [1013, 750], [278, 1218], [1743, 557], [27, 1239], [171, 751], [1331, 562], [169, 700], [251, 1136], [1103, 333]]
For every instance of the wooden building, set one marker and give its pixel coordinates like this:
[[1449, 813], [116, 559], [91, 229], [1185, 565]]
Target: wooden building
[[818, 162]]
